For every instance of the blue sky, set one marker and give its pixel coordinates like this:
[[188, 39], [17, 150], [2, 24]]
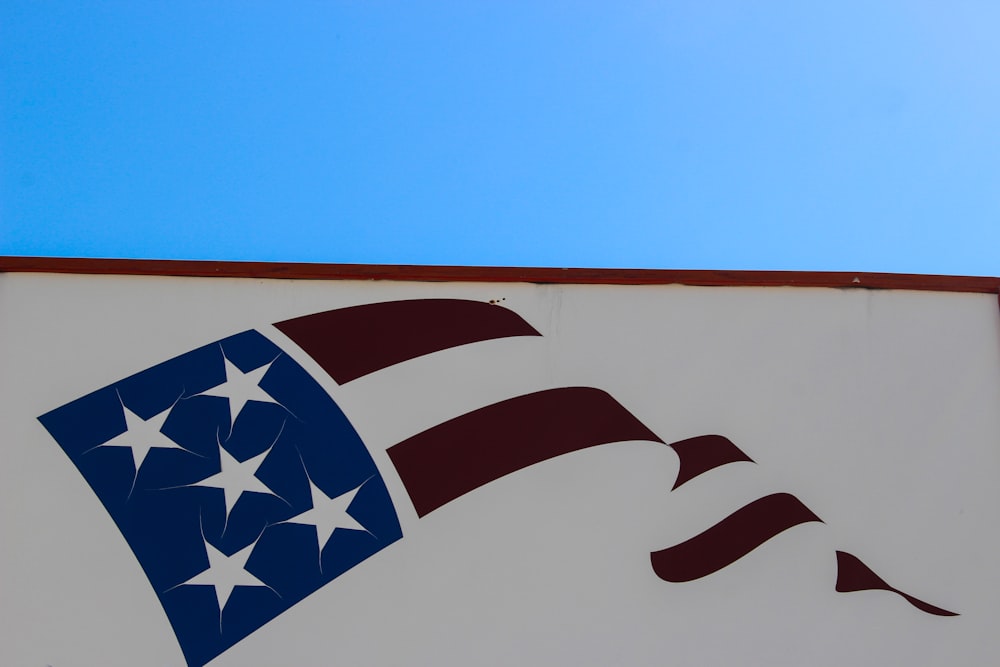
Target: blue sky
[[856, 136]]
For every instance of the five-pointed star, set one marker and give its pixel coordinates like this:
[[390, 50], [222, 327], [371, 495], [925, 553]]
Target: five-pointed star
[[328, 514], [239, 388], [237, 478], [142, 435], [225, 573]]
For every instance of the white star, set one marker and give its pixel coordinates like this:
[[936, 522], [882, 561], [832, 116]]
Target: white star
[[142, 435], [237, 477], [224, 573], [328, 514], [240, 387]]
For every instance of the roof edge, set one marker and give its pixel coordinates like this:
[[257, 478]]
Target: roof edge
[[569, 276]]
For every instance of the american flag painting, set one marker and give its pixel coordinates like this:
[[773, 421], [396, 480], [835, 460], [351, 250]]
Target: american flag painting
[[242, 487]]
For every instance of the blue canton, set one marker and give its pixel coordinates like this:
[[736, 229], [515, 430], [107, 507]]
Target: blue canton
[[238, 483]]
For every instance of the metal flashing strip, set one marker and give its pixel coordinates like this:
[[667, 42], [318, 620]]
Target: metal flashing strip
[[568, 276]]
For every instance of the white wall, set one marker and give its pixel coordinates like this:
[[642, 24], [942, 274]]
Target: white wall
[[878, 409]]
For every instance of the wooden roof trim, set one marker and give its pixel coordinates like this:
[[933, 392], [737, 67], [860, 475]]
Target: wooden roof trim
[[308, 271]]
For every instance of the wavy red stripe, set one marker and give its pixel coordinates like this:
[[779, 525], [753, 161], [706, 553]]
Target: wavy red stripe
[[703, 453], [732, 538], [457, 456], [853, 575], [352, 342]]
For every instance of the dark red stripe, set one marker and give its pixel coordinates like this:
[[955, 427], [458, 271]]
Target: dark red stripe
[[732, 538], [853, 575], [457, 456], [701, 454], [351, 342]]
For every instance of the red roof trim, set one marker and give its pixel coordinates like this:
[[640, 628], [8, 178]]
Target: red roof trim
[[304, 271]]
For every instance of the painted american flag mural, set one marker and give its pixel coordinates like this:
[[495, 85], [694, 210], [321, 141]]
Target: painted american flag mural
[[240, 472], [242, 487]]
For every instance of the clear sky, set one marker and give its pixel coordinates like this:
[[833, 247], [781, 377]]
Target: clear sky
[[848, 135]]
